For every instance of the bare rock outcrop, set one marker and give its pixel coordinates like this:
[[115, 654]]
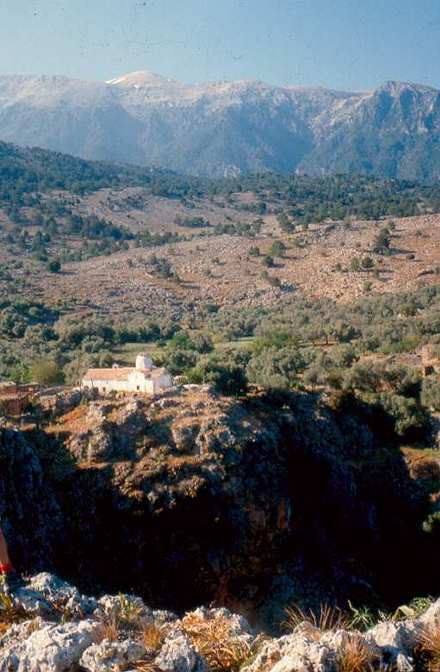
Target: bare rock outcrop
[[123, 633], [110, 656], [51, 648]]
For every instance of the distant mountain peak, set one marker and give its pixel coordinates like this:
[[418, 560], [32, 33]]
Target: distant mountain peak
[[141, 78], [396, 87], [213, 128]]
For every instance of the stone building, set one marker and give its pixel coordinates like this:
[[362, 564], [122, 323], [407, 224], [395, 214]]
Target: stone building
[[14, 398], [144, 378]]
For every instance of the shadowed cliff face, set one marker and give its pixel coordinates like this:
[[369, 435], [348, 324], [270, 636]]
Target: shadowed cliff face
[[196, 499], [29, 513]]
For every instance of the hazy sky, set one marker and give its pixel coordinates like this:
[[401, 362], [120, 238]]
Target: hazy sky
[[346, 44]]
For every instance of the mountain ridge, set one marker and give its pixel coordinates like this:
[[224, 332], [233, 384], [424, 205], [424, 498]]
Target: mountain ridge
[[228, 127]]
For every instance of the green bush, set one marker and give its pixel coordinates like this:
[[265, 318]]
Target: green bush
[[430, 396], [54, 266], [46, 372], [276, 369], [408, 417]]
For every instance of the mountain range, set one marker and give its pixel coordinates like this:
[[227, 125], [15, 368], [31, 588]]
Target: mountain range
[[225, 128]]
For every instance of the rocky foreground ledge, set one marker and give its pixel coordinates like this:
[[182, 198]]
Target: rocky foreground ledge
[[51, 627]]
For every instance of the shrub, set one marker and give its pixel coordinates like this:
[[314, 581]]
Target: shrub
[[153, 636], [432, 524], [215, 640], [277, 248], [229, 379], [367, 262], [276, 369], [382, 241], [202, 343], [430, 396], [46, 373], [327, 618], [268, 261], [407, 415], [54, 266], [355, 655], [429, 647], [179, 361]]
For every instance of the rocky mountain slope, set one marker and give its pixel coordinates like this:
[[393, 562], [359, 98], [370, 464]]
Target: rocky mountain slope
[[223, 128]]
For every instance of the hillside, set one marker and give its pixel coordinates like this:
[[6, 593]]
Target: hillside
[[111, 225], [143, 254], [226, 128]]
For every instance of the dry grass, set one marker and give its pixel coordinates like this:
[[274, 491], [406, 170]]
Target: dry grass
[[4, 627], [153, 636], [214, 640], [110, 629], [327, 618], [429, 647], [128, 611], [10, 613], [355, 656], [144, 666]]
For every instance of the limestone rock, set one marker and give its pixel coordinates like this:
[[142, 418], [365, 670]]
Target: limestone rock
[[109, 656], [431, 615], [45, 594], [297, 652], [179, 655], [58, 403], [54, 648], [125, 606], [238, 625], [184, 436], [396, 641]]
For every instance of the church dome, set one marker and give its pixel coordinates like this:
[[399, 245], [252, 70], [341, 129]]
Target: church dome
[[143, 361]]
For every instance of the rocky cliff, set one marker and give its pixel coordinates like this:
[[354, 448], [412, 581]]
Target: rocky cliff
[[193, 499]]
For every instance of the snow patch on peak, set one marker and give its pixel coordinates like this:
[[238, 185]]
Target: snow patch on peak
[[141, 78]]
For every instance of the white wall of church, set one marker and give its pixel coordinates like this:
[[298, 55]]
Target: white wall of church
[[136, 382]]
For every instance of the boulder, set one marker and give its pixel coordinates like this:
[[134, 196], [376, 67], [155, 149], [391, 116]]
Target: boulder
[[47, 595], [53, 648], [110, 656], [133, 606], [396, 641], [179, 655], [298, 652]]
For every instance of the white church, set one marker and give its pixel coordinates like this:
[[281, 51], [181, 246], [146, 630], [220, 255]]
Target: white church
[[144, 377]]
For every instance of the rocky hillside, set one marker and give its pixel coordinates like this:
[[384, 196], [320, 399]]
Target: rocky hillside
[[223, 128], [195, 499]]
